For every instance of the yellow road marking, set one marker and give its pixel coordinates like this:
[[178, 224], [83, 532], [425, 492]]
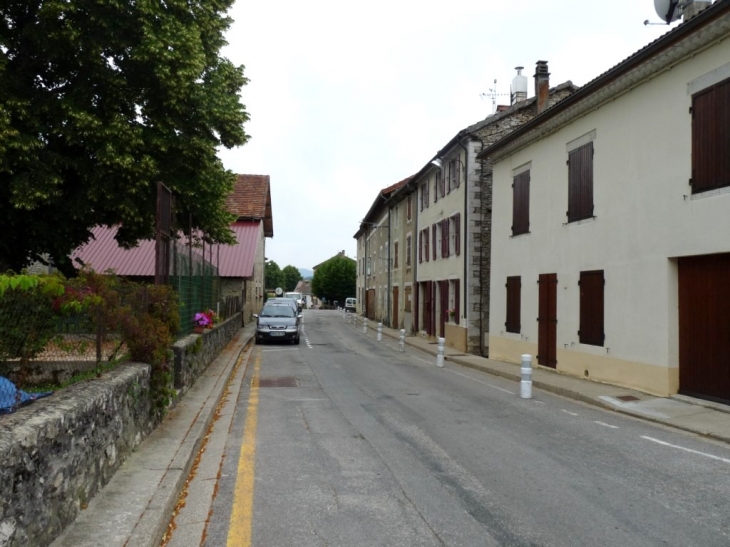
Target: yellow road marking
[[240, 525]]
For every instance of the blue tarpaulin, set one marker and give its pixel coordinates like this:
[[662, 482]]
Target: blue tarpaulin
[[11, 397]]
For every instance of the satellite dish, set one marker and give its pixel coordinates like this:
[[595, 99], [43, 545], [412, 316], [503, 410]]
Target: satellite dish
[[668, 10]]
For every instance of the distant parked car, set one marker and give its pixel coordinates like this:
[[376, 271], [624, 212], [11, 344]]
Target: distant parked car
[[281, 301], [278, 322], [351, 304], [296, 296]]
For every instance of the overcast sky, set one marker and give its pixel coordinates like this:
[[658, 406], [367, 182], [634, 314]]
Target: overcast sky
[[347, 98]]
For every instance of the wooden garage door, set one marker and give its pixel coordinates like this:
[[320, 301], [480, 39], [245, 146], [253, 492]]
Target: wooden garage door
[[704, 327]]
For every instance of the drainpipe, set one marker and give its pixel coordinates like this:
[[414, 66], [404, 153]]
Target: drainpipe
[[388, 303], [414, 257], [465, 290]]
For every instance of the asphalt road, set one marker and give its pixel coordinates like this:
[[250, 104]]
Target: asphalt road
[[374, 447]]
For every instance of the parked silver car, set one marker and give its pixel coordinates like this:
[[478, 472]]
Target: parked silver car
[[278, 322]]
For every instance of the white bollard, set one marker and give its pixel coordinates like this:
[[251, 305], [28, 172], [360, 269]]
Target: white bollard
[[440, 352], [365, 325], [380, 332], [526, 382], [402, 342]]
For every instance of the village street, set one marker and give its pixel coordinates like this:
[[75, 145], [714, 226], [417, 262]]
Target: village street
[[345, 441]]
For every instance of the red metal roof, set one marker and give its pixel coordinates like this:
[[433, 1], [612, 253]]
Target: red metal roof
[[103, 253]]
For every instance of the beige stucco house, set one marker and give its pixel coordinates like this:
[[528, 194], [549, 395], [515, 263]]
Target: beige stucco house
[[611, 222]]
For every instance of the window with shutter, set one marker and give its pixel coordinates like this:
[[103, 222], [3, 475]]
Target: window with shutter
[[395, 253], [409, 211], [457, 300], [457, 238], [408, 250], [426, 200], [514, 288], [453, 174], [521, 203], [445, 238], [711, 138], [580, 183], [433, 232], [425, 238], [591, 308], [420, 247], [436, 177]]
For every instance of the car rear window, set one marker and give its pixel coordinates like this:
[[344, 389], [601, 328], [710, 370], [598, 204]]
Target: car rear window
[[277, 311]]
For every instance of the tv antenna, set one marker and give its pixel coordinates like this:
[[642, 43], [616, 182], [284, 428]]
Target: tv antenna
[[492, 94]]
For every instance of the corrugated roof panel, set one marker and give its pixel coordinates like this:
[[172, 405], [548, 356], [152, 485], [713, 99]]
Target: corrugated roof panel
[[104, 253], [238, 260]]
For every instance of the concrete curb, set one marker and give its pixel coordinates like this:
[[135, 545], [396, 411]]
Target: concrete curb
[[135, 507], [153, 523]]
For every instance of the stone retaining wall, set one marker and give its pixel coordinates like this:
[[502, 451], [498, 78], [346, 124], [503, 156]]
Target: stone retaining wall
[[58, 452]]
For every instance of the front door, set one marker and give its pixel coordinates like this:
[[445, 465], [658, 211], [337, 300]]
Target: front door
[[394, 324], [547, 321], [704, 327], [370, 304]]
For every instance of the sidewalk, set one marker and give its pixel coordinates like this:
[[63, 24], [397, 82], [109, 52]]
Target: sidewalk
[[686, 413], [134, 508]]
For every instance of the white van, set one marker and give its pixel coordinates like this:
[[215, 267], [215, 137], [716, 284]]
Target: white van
[[350, 304]]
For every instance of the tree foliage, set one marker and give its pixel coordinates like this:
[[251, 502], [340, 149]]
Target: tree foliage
[[100, 100], [291, 277], [273, 276], [335, 279]]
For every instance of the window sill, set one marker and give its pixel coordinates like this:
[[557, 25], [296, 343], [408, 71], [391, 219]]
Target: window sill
[[710, 193], [524, 234], [580, 221]]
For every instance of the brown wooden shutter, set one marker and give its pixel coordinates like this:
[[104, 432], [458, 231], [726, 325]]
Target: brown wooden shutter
[[445, 238], [420, 246], [421, 193], [436, 186], [457, 300], [580, 183], [424, 236], [521, 204], [514, 288], [457, 238], [591, 308], [711, 138], [433, 231], [416, 311], [458, 174], [395, 260], [408, 209]]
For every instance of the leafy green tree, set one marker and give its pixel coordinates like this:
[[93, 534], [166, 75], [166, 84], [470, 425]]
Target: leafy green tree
[[336, 279], [101, 100], [291, 277], [273, 276]]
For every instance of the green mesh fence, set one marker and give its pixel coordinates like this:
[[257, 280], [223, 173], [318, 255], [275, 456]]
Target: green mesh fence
[[196, 282]]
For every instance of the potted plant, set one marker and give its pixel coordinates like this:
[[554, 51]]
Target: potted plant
[[452, 314], [201, 321]]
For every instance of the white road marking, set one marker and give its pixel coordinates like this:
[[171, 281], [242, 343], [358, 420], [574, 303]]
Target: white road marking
[[606, 425], [568, 412], [686, 449], [539, 402], [485, 383]]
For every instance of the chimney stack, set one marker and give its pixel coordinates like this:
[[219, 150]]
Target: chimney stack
[[542, 86], [519, 87], [694, 7]]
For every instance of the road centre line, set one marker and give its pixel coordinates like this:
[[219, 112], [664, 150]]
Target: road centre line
[[686, 449], [275, 350], [485, 383], [606, 425], [569, 412]]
